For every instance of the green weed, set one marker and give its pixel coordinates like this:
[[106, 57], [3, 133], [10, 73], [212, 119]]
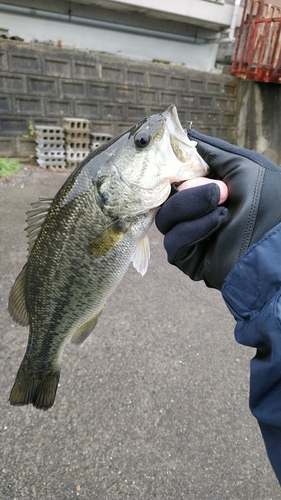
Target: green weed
[[31, 131], [8, 167]]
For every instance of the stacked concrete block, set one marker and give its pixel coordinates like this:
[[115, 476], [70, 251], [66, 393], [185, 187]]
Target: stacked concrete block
[[99, 139], [50, 150], [77, 140]]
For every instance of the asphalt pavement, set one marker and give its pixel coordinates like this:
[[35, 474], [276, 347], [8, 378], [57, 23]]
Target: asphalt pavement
[[153, 405]]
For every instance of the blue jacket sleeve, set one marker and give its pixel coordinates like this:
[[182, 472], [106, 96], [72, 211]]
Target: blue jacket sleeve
[[252, 292]]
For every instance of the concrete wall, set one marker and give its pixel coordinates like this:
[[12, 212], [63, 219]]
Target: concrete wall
[[41, 85], [259, 124]]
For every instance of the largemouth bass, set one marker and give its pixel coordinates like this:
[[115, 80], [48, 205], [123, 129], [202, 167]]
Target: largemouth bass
[[82, 241]]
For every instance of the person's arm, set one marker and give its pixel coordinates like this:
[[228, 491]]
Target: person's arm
[[236, 248], [252, 292]]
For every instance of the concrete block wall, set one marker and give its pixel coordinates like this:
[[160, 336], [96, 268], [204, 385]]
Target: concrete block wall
[[40, 85]]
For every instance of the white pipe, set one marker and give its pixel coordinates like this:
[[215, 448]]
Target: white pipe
[[234, 20], [231, 30]]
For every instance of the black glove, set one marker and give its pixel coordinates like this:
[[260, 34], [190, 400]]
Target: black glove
[[204, 240]]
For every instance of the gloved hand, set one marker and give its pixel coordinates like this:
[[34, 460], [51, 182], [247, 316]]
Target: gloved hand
[[204, 240]]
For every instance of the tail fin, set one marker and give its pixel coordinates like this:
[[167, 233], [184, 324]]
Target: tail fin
[[27, 390]]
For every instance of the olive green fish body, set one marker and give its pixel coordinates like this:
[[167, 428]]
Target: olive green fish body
[[81, 244], [68, 281]]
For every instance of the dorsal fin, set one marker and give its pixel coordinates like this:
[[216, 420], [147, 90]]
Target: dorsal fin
[[16, 306], [35, 219]]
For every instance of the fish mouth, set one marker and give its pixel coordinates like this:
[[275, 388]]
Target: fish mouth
[[172, 114], [190, 164], [178, 137]]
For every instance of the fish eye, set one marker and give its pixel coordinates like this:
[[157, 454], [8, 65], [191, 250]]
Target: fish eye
[[142, 139]]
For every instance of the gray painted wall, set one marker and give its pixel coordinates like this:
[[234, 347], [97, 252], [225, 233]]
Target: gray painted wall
[[187, 47]]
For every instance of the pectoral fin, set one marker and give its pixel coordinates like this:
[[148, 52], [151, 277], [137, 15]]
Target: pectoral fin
[[108, 238], [84, 330], [141, 255], [16, 305]]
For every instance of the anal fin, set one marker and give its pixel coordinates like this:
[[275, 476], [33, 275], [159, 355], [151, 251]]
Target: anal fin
[[83, 331]]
